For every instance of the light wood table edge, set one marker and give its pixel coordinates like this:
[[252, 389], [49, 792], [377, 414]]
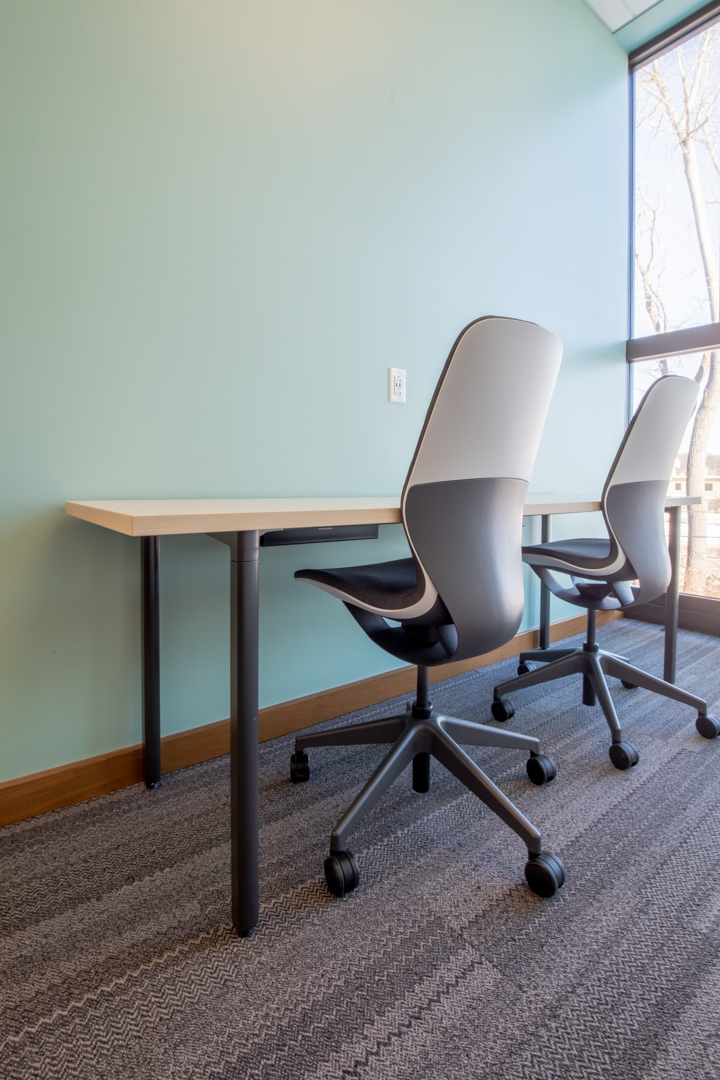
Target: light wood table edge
[[169, 524], [115, 521]]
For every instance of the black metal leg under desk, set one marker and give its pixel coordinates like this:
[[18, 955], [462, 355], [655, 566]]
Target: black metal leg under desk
[[546, 537], [150, 661], [244, 731], [672, 596]]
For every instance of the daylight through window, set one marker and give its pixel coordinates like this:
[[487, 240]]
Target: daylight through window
[[676, 301]]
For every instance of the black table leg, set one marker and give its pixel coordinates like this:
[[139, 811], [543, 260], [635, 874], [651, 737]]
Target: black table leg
[[672, 595], [546, 537], [244, 731], [150, 661]]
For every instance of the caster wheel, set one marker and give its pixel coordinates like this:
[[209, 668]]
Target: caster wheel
[[299, 767], [541, 769], [624, 755], [544, 873], [341, 872], [502, 708], [525, 669], [628, 685], [708, 726]]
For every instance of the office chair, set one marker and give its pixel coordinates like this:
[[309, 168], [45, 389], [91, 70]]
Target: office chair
[[602, 570], [460, 594]]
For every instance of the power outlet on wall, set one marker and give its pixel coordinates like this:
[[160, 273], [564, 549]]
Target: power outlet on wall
[[396, 385]]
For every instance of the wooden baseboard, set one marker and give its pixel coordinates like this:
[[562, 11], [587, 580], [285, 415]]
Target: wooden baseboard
[[28, 796]]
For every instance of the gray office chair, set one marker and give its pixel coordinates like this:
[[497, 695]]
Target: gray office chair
[[460, 594], [602, 570]]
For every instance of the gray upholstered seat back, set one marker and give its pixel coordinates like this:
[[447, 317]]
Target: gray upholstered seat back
[[464, 494], [636, 487]]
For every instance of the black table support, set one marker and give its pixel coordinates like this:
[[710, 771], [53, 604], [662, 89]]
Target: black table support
[[546, 537], [244, 730], [672, 596], [150, 661]]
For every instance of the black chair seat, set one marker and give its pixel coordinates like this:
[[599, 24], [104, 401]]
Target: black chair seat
[[588, 552], [388, 585]]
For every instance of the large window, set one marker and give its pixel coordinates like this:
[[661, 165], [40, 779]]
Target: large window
[[676, 262]]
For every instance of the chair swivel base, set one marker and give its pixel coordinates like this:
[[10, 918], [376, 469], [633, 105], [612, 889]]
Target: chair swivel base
[[594, 664], [415, 736]]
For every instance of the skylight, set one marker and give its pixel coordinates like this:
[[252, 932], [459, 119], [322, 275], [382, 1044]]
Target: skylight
[[615, 13]]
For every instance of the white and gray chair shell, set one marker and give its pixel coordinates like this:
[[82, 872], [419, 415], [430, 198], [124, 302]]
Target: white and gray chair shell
[[460, 593], [603, 571], [462, 503]]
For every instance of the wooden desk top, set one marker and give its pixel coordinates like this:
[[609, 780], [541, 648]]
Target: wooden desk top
[[165, 517]]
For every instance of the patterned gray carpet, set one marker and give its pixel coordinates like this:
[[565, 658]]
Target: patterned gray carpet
[[117, 961]]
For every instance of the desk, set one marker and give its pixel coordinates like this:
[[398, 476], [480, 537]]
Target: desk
[[247, 519]]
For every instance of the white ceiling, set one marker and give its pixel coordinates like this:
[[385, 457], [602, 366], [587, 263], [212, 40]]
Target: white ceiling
[[615, 13]]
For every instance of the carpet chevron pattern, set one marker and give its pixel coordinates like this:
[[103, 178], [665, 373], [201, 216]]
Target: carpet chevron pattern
[[117, 960]]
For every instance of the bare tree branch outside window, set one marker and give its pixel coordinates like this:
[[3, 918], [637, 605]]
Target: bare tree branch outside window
[[677, 234]]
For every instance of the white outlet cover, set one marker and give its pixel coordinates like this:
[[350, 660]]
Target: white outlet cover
[[396, 385]]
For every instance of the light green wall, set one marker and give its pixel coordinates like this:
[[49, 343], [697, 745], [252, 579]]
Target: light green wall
[[220, 223]]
